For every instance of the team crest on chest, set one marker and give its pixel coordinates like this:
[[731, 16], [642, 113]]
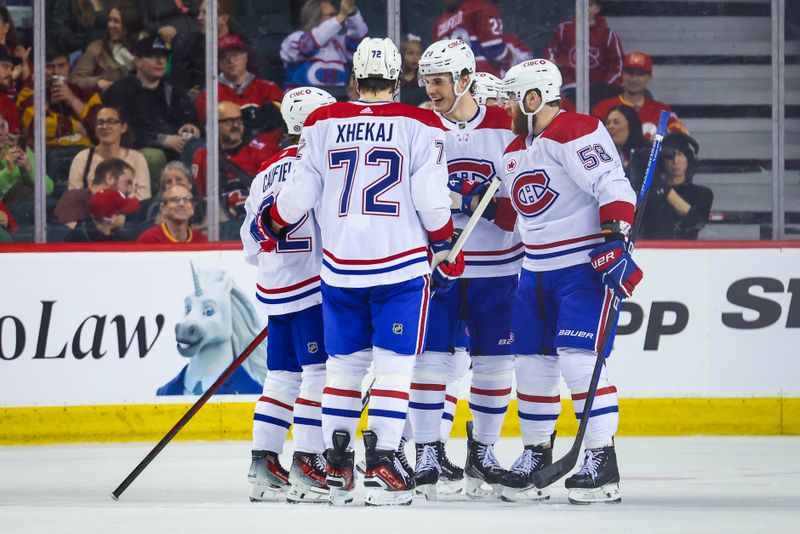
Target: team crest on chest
[[468, 170], [531, 193]]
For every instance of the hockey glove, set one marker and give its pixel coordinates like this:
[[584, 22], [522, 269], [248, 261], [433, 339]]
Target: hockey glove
[[619, 271], [444, 271], [465, 192], [260, 229]]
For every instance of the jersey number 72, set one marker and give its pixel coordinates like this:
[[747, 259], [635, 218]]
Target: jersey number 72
[[391, 162]]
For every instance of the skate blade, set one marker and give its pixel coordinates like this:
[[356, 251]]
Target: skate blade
[[381, 497], [267, 493], [477, 489], [610, 493], [340, 497], [450, 487], [429, 491], [532, 494], [303, 493]]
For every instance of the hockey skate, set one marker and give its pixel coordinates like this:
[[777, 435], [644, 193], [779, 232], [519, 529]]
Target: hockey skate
[[483, 471], [385, 480], [339, 472], [518, 483], [307, 478], [428, 470], [269, 481], [451, 478], [361, 467], [598, 478]]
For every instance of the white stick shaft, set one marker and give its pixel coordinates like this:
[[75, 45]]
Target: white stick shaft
[[473, 220]]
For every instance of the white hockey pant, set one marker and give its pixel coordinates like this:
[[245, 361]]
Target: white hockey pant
[[539, 399], [489, 395], [274, 410]]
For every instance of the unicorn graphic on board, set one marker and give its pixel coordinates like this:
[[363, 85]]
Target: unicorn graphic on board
[[219, 323]]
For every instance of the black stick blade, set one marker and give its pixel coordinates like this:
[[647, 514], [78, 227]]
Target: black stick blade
[[547, 475]]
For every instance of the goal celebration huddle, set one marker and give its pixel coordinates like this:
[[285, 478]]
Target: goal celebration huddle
[[490, 232]]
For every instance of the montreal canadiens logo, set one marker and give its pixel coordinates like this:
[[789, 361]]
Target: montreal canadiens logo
[[531, 193], [469, 171]]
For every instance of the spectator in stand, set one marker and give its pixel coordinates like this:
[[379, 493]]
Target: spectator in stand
[[167, 18], [71, 110], [8, 105], [73, 24], [110, 131], [259, 99], [518, 49], [676, 208], [188, 49], [320, 53], [17, 164], [176, 173], [636, 75], [238, 163], [107, 222], [7, 224], [480, 24], [161, 114], [110, 59], [8, 37], [605, 55], [625, 129], [177, 210], [410, 91], [113, 173]]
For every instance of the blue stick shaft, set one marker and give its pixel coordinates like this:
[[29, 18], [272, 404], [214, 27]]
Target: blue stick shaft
[[648, 176]]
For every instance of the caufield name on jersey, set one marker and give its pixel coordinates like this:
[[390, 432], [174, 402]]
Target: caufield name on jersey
[[364, 131], [278, 172]]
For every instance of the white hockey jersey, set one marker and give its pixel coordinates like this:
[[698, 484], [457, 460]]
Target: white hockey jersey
[[562, 183], [376, 175], [288, 279], [321, 55], [475, 153]]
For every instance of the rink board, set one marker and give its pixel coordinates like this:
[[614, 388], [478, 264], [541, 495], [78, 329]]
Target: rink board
[[232, 420], [709, 344]]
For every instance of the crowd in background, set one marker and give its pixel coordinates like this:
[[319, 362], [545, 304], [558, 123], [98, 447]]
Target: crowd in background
[[126, 106]]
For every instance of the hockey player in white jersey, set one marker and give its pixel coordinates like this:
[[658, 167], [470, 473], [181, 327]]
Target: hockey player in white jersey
[[575, 209], [288, 292], [375, 173], [478, 303]]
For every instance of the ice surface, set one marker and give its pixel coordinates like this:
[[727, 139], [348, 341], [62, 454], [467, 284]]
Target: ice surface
[[676, 485]]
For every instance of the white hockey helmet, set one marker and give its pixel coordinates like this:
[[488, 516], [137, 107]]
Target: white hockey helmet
[[487, 86], [298, 104], [448, 55], [538, 74], [377, 58]]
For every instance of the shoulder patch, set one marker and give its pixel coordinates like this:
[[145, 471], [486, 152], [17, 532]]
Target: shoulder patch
[[496, 118], [289, 152], [517, 144], [568, 126], [343, 110]]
